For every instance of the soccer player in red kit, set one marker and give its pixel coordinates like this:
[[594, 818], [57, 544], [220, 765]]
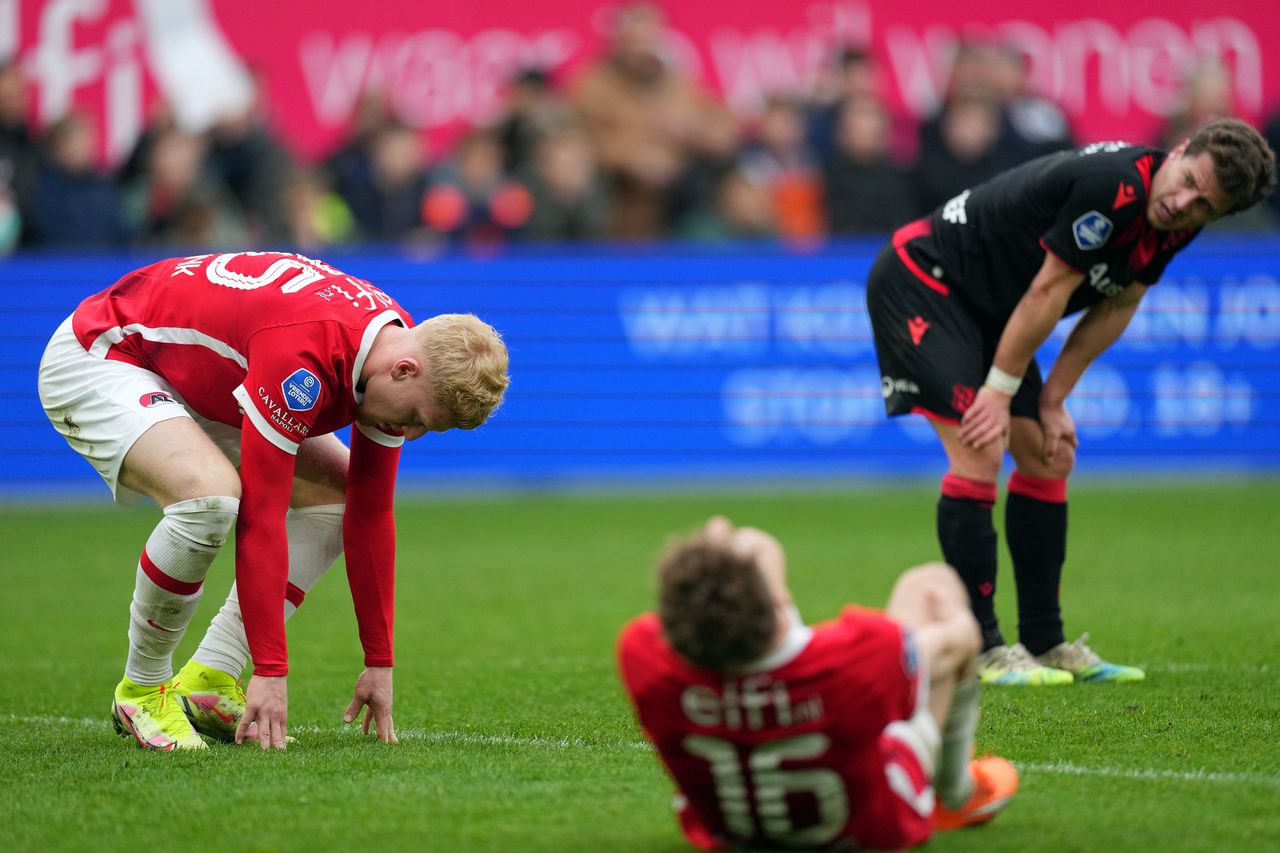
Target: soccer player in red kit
[[781, 735], [960, 302], [186, 370]]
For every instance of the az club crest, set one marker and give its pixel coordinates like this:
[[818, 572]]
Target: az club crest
[[1091, 231], [155, 398], [301, 390]]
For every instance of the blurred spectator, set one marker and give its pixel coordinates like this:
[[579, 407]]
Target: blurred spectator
[[19, 160], [781, 162], [693, 195], [398, 186], [643, 117], [741, 210], [568, 200], [960, 148], [160, 121], [473, 201], [178, 202], [1033, 125], [1206, 95], [867, 191], [254, 166], [350, 168], [315, 216], [853, 75], [533, 110], [77, 205]]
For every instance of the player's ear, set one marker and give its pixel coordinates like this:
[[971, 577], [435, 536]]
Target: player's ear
[[406, 368]]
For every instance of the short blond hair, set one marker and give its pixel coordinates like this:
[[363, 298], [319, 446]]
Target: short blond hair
[[468, 364]]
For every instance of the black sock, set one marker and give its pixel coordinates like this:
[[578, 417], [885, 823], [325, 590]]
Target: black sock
[[968, 541], [1035, 518]]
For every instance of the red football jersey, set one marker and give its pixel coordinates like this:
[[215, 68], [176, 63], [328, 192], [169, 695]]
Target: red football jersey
[[273, 344], [792, 751], [280, 337]]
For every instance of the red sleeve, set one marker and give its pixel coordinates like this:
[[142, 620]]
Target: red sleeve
[[262, 550], [369, 540]]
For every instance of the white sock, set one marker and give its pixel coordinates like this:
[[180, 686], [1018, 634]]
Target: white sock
[[954, 782], [315, 544], [169, 580]]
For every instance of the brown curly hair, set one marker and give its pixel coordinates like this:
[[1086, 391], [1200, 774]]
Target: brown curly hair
[[715, 607]]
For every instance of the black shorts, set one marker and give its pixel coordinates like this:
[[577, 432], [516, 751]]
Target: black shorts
[[934, 355]]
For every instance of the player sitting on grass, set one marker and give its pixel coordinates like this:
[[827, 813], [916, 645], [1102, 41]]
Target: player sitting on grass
[[778, 734], [185, 370]]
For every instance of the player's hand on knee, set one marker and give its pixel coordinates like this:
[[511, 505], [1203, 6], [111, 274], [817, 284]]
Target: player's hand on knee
[[987, 420], [373, 693], [1059, 428], [267, 704]]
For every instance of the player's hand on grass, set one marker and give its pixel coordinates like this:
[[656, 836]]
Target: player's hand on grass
[[987, 420], [373, 693], [1059, 428], [267, 704]]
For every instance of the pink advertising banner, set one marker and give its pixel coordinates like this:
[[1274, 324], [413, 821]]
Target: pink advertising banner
[[1115, 68]]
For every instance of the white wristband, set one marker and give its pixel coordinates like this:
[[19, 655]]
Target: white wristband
[[1003, 382]]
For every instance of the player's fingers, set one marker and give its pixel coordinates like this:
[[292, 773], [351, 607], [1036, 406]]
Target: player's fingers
[[278, 737], [368, 718], [386, 731], [264, 732], [246, 720], [1050, 446], [353, 710]]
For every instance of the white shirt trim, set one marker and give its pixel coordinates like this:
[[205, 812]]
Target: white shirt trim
[[377, 436], [165, 335], [366, 343], [261, 423], [795, 642]]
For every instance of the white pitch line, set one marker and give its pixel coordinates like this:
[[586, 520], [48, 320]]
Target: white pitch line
[[1067, 769], [473, 739]]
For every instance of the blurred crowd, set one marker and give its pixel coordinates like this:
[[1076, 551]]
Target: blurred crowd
[[629, 149]]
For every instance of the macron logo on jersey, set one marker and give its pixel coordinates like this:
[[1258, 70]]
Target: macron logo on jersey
[[1091, 231], [300, 390]]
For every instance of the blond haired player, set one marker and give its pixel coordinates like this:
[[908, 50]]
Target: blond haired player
[[214, 385]]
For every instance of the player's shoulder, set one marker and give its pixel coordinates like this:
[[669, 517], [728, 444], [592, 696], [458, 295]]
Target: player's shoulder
[[858, 626], [640, 636], [1118, 169]]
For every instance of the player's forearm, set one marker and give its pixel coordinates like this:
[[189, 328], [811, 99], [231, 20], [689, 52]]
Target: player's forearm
[[1032, 322], [262, 549], [262, 574], [1097, 330], [369, 537]]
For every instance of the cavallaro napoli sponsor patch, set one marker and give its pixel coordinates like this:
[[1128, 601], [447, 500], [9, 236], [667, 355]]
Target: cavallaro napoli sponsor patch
[[1092, 230], [301, 390]]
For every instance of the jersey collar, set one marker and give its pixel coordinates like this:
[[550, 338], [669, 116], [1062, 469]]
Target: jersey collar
[[796, 640]]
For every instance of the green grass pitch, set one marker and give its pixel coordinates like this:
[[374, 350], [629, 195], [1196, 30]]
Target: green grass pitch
[[514, 732]]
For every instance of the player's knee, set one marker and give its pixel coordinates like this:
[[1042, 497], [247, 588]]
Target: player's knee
[[939, 581], [205, 521]]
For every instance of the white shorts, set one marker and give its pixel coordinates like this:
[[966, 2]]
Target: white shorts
[[101, 407]]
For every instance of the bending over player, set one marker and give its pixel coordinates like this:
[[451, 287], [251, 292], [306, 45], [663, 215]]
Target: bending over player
[[961, 301], [185, 370], [778, 734]]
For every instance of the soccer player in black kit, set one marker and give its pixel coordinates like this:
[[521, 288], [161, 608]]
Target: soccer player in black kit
[[961, 300]]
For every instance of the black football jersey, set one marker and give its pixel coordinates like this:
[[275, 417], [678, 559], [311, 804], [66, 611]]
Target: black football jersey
[[1086, 206]]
